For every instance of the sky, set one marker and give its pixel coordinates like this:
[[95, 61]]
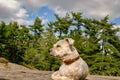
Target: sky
[[25, 11]]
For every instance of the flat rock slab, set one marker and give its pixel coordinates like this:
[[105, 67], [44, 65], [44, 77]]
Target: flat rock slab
[[25, 75], [98, 77], [41, 75]]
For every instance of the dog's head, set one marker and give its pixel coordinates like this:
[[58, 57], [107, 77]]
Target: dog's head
[[64, 50]]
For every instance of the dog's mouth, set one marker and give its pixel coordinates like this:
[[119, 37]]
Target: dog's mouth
[[52, 53]]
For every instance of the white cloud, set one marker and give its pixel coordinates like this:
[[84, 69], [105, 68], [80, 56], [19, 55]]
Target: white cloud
[[91, 8], [117, 26], [44, 20], [33, 4], [21, 13], [11, 10], [11, 4], [60, 11], [23, 21]]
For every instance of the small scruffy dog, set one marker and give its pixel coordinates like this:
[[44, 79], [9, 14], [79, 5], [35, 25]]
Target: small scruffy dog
[[73, 66]]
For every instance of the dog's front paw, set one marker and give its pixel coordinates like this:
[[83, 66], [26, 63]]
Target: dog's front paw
[[57, 76]]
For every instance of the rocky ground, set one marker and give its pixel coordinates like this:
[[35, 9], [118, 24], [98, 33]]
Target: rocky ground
[[18, 72]]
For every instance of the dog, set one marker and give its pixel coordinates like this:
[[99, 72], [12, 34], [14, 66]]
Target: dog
[[73, 66]]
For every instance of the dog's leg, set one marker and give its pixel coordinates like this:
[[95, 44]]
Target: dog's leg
[[57, 76]]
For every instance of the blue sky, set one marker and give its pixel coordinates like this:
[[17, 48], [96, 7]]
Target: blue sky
[[25, 11], [43, 12], [117, 21]]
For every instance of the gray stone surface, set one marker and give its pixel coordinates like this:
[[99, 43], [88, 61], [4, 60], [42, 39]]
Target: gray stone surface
[[18, 72]]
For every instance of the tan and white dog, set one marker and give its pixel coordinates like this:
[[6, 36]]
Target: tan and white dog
[[73, 66]]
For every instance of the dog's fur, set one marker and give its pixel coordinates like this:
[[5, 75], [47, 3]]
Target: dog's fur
[[73, 66]]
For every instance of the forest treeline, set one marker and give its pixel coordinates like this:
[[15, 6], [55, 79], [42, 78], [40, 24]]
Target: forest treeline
[[95, 40]]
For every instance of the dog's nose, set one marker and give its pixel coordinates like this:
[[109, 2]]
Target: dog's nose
[[49, 50]]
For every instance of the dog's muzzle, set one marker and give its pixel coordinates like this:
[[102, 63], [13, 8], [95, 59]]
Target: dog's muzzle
[[49, 50]]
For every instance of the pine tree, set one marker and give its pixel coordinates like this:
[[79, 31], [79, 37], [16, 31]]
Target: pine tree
[[37, 29], [61, 25], [106, 58], [2, 39], [97, 44]]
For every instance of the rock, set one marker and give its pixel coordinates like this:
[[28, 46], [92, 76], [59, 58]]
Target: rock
[[3, 60], [25, 75], [18, 72]]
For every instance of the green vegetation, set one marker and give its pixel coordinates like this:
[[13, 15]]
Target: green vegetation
[[95, 40]]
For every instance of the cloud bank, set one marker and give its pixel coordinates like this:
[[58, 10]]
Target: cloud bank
[[92, 8], [16, 10], [11, 10]]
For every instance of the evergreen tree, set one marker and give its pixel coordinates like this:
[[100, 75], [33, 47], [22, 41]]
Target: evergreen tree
[[97, 44], [107, 55], [61, 25], [37, 29], [2, 39], [95, 40]]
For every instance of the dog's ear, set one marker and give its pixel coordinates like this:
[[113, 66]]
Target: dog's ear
[[70, 41]]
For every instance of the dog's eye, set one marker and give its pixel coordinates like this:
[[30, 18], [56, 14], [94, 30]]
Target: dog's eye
[[58, 46]]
